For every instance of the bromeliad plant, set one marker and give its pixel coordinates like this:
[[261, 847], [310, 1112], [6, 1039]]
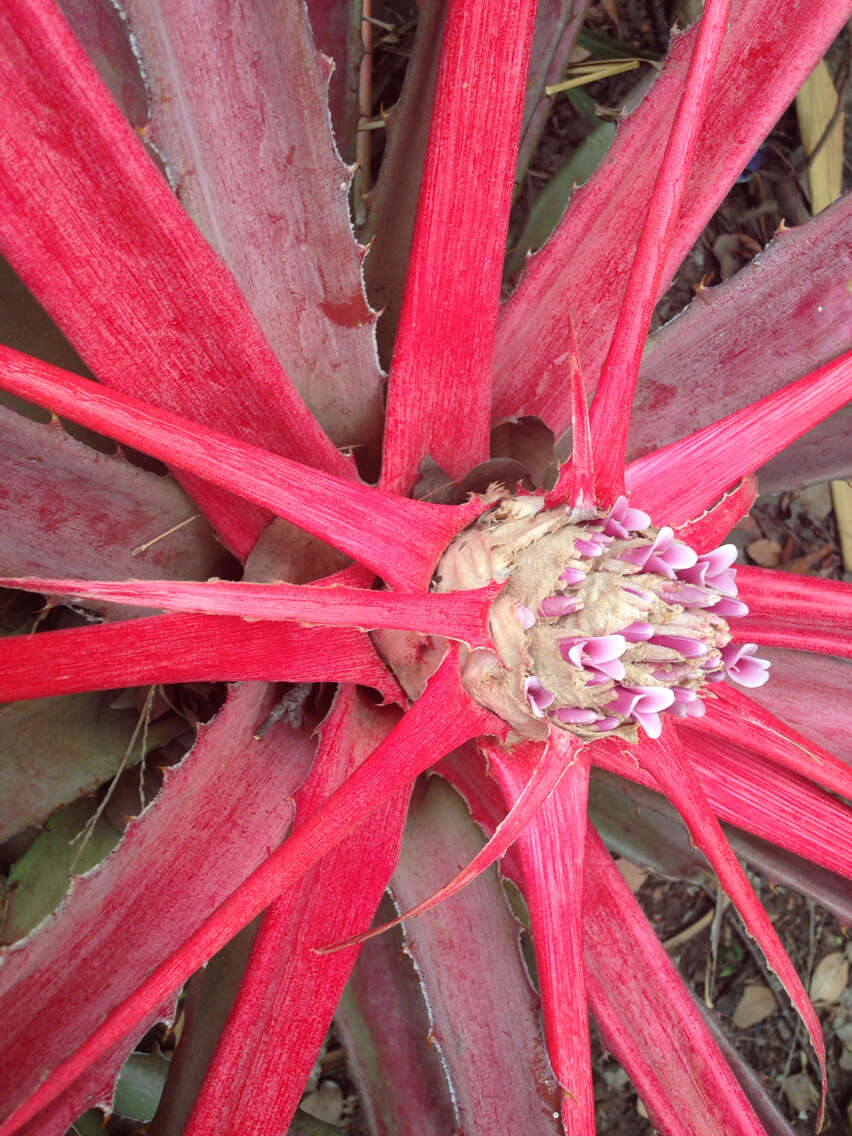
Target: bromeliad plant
[[596, 623]]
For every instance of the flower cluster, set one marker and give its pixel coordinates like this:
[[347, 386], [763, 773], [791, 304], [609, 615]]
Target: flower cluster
[[604, 622]]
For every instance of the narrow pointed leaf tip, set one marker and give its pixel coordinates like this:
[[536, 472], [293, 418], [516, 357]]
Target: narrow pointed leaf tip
[[454, 615], [613, 400], [545, 776], [576, 482], [442, 719], [439, 392], [399, 539]]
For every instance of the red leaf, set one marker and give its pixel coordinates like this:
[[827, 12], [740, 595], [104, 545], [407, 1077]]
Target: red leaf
[[804, 600], [681, 480], [441, 719], [144, 903], [769, 50], [668, 765], [66, 507], [748, 790], [186, 648], [784, 314], [647, 1018], [544, 765], [737, 718], [267, 188], [440, 380], [613, 401], [455, 615], [405, 537], [551, 851], [288, 994], [98, 236], [466, 952], [707, 531], [799, 682]]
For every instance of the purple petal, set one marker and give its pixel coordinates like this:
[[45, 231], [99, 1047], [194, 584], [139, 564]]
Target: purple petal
[[690, 596], [576, 715], [742, 667], [609, 668], [538, 696], [652, 698], [607, 724], [559, 605], [605, 647], [525, 617], [730, 609], [638, 632], [650, 723], [623, 520], [573, 576], [685, 645]]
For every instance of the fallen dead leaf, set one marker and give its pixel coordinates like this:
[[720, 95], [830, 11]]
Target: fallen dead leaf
[[800, 1092], [810, 560], [830, 978], [756, 1004], [766, 553], [325, 1104], [633, 875]]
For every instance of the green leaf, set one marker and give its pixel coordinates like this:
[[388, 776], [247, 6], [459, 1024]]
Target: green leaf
[[140, 1086], [53, 750], [551, 203], [38, 881]]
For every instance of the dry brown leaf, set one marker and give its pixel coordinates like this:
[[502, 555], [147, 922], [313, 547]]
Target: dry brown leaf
[[800, 1092], [766, 553], [816, 103], [841, 493], [757, 1004], [633, 875], [830, 978], [325, 1104]]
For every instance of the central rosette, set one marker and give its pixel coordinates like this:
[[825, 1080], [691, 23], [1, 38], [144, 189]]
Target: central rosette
[[603, 623]]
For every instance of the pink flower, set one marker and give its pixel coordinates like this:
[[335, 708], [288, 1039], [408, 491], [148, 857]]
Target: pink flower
[[248, 366]]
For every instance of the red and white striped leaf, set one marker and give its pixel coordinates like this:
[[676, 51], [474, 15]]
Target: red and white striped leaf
[[405, 537], [85, 215], [391, 204], [217, 815], [769, 50], [708, 531], [267, 188], [67, 508], [647, 1018], [554, 894], [785, 313], [681, 480], [668, 764], [288, 994], [807, 601], [454, 615], [811, 693], [613, 402], [439, 392], [544, 766], [761, 799], [441, 719], [466, 952], [770, 632], [186, 648], [747, 790], [737, 718], [383, 1020]]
